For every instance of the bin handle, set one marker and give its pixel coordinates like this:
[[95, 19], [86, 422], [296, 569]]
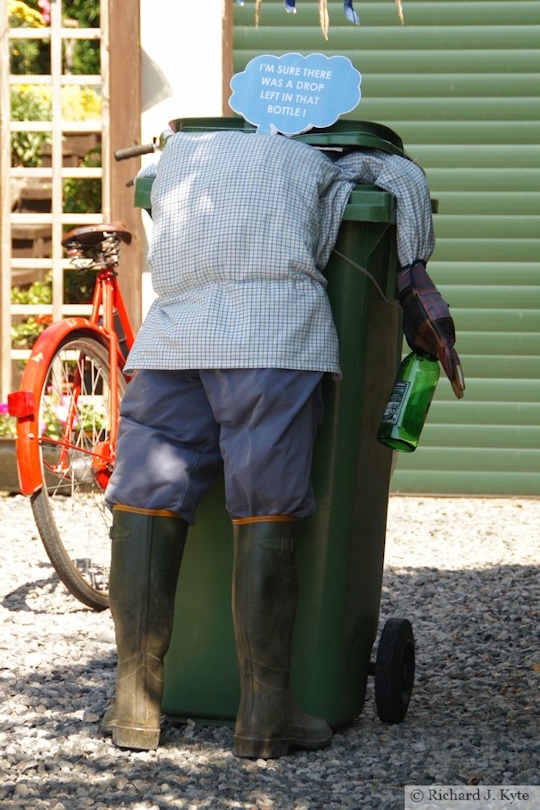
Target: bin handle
[[372, 278]]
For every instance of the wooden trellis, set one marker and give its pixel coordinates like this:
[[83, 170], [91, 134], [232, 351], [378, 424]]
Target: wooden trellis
[[51, 178]]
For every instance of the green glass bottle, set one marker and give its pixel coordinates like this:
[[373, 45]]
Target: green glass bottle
[[407, 407]]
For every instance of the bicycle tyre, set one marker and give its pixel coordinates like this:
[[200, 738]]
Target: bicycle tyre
[[69, 508]]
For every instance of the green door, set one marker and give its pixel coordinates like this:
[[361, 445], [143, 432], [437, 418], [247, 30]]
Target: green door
[[460, 83]]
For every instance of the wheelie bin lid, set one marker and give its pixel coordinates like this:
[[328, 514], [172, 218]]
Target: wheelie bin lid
[[368, 203], [343, 134]]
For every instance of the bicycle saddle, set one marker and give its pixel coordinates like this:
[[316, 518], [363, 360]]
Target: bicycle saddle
[[93, 234]]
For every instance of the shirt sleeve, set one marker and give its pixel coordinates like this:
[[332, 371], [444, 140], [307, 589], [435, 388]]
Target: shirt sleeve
[[407, 182]]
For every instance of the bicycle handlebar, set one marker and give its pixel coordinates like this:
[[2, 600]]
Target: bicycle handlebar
[[135, 151]]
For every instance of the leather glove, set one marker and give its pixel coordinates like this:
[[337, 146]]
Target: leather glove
[[427, 323]]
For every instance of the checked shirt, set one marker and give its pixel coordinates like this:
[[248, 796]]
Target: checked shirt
[[243, 228]]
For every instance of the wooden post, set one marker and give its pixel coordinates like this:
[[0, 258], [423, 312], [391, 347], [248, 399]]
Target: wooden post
[[227, 54], [125, 130], [5, 203]]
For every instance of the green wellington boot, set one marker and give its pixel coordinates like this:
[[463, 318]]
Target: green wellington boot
[[147, 549], [265, 595]]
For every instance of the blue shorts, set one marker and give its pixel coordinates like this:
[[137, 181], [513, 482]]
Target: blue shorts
[[179, 429]]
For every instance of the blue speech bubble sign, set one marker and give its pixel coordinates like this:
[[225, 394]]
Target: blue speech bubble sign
[[293, 93]]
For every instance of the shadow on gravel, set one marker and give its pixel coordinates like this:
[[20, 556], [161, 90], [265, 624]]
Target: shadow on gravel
[[473, 717], [19, 598], [477, 634]]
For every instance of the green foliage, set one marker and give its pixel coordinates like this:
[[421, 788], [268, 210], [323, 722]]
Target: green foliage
[[8, 424], [91, 420], [84, 196], [25, 334], [33, 56], [85, 53], [27, 55], [85, 58], [33, 103], [26, 146], [78, 289], [85, 11], [40, 292], [79, 286]]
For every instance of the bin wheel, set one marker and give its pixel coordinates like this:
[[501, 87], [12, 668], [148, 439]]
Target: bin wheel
[[394, 670]]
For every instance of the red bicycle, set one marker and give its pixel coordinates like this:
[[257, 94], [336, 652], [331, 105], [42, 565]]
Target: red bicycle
[[67, 411]]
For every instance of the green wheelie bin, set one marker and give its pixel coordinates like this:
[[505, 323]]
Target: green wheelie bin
[[341, 548]]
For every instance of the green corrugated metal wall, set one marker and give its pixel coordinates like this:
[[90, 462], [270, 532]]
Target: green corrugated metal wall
[[460, 83]]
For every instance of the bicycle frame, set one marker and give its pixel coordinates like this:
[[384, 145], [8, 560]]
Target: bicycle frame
[[107, 306]]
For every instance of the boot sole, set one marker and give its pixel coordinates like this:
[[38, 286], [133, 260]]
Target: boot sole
[[273, 749], [141, 738]]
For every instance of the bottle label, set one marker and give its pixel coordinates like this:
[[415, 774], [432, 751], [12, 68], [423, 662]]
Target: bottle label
[[397, 397]]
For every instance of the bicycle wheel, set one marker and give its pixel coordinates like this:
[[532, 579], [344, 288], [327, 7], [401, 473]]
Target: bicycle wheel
[[69, 508]]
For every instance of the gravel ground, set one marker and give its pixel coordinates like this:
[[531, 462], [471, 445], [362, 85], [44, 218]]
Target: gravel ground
[[464, 571]]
